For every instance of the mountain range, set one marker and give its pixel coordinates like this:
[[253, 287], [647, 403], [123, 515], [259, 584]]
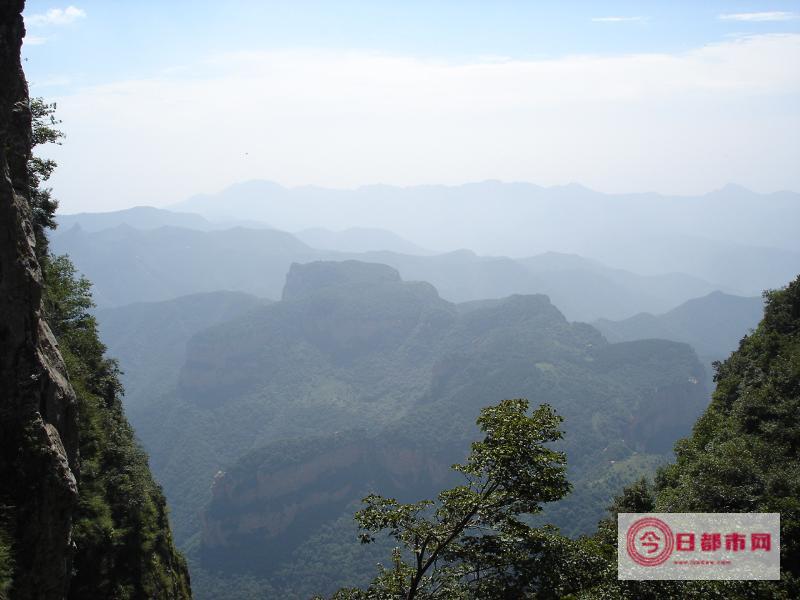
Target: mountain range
[[276, 378], [400, 373], [127, 265], [732, 236]]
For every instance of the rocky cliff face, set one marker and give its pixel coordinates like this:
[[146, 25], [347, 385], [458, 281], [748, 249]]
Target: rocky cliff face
[[38, 424], [80, 515], [266, 504]]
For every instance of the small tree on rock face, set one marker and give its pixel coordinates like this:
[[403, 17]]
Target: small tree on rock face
[[472, 539], [43, 204]]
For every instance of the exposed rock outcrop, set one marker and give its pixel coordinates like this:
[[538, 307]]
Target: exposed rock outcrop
[[38, 425], [80, 515], [265, 504]]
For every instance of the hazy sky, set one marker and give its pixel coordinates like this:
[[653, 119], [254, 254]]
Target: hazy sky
[[161, 100]]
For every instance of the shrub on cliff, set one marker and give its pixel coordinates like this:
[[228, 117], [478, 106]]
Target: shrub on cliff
[[121, 533]]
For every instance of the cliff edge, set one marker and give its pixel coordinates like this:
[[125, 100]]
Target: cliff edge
[[65, 530], [38, 423]]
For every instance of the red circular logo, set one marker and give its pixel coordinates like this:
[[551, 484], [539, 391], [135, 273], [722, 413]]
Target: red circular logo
[[649, 541]]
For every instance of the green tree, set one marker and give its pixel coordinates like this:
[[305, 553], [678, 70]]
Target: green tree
[[472, 541], [744, 452], [743, 456], [123, 545], [43, 205]]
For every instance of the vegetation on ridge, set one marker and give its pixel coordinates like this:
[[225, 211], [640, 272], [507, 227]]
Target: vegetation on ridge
[[122, 542], [124, 548], [43, 205], [743, 456]]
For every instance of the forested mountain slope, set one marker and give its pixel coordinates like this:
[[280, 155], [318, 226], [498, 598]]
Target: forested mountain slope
[[399, 373], [744, 452], [713, 325], [149, 338], [743, 456]]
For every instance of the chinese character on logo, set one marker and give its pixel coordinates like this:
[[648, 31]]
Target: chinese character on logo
[[734, 542], [709, 542], [685, 542], [760, 541], [650, 540]]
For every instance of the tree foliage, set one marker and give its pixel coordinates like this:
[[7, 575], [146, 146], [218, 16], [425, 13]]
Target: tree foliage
[[472, 541], [43, 205], [744, 452], [123, 544], [743, 456]]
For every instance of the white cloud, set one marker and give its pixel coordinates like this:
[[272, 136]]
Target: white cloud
[[760, 17], [619, 19], [679, 123], [56, 17]]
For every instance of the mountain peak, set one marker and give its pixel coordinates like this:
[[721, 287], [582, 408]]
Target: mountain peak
[[304, 279], [733, 188]]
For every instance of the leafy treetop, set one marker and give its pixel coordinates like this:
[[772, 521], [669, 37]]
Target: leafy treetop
[[467, 540]]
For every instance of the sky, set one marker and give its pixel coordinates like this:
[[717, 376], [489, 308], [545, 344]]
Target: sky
[[163, 100]]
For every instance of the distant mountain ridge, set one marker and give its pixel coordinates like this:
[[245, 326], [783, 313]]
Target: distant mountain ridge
[[352, 239], [359, 239], [719, 236], [132, 265], [692, 234], [377, 205], [713, 325], [148, 217], [138, 217]]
